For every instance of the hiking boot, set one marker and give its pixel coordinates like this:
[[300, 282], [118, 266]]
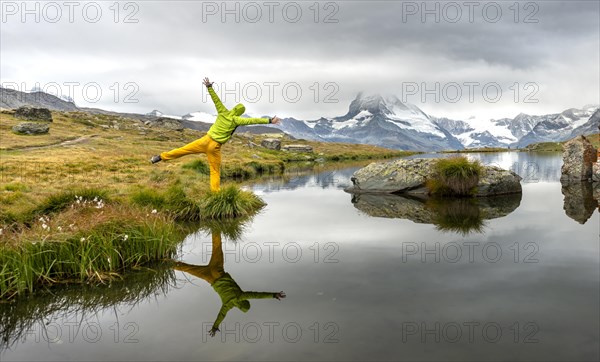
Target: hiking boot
[[155, 159]]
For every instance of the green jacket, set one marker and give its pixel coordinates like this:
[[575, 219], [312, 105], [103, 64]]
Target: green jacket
[[233, 296], [228, 120]]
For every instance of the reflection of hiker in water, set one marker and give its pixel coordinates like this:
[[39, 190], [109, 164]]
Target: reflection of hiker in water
[[219, 133], [214, 273]]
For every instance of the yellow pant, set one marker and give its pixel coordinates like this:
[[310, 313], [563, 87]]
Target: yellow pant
[[206, 145], [214, 270]]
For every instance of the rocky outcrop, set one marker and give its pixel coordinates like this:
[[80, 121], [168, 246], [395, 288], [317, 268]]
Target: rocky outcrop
[[297, 148], [167, 123], [271, 143], [579, 155], [409, 176], [596, 172], [31, 128], [33, 114]]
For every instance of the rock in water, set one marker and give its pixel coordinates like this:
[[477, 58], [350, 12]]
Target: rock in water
[[409, 176], [393, 177], [579, 156], [33, 114], [31, 128], [271, 143], [497, 181]]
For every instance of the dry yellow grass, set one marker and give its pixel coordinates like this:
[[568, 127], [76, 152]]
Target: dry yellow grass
[[102, 156]]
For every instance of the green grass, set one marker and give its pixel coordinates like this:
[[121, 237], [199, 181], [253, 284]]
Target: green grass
[[53, 204], [173, 200], [544, 147], [558, 146], [95, 255], [17, 186], [62, 200], [482, 149], [231, 202], [198, 165], [454, 176]]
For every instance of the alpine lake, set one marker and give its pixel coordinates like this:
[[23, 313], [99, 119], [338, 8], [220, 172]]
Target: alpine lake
[[512, 277]]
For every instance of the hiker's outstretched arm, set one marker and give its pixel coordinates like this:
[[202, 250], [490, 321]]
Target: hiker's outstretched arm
[[242, 121], [220, 107], [262, 295], [215, 98], [220, 317]]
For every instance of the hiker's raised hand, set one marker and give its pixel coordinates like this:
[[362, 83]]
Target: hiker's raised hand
[[276, 120], [207, 82], [213, 331], [279, 295]]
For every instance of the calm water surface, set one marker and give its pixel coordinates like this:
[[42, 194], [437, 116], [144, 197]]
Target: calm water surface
[[514, 278]]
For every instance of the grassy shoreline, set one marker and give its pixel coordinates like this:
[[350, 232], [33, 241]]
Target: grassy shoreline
[[83, 204]]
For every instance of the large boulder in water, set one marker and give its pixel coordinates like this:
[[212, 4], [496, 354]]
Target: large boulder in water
[[392, 177], [409, 176], [33, 114], [498, 181], [579, 155]]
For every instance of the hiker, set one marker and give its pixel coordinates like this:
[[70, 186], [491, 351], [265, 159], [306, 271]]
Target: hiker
[[219, 133], [214, 273]]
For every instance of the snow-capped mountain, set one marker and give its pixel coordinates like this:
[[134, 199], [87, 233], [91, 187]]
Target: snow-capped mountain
[[477, 132], [523, 129], [386, 121], [374, 119], [157, 113], [589, 127], [559, 127]]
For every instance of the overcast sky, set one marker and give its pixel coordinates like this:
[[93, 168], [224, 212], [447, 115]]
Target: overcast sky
[[306, 61]]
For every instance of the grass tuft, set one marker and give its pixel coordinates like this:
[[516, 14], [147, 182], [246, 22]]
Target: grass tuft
[[198, 165], [173, 201], [455, 176], [231, 202]]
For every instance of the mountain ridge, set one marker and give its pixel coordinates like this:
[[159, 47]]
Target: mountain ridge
[[381, 120]]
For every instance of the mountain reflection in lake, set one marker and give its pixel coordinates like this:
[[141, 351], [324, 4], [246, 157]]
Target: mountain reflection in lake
[[409, 286]]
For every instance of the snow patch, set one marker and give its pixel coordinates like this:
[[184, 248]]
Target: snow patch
[[200, 117]]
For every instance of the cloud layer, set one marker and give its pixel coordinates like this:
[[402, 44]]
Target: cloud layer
[[296, 59]]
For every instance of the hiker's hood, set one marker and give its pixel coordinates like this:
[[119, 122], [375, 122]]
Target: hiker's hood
[[238, 110], [243, 305]]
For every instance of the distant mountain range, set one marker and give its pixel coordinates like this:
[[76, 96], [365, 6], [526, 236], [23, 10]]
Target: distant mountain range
[[386, 121], [383, 121]]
